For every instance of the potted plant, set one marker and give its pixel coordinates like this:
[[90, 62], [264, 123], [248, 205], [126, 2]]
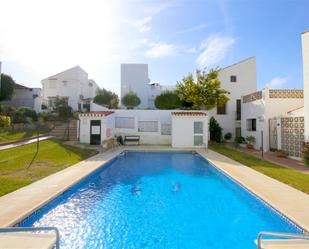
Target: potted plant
[[228, 136], [280, 153], [305, 153], [250, 141], [240, 141]]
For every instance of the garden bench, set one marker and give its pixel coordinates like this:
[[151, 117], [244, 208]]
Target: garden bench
[[132, 138]]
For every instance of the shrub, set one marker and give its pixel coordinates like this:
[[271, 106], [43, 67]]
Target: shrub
[[28, 113], [228, 136], [240, 140], [130, 100], [168, 100], [305, 153], [62, 108], [215, 130], [250, 139], [5, 121], [106, 98]]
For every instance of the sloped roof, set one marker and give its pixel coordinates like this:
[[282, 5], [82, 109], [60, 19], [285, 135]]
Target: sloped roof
[[189, 113], [96, 114]]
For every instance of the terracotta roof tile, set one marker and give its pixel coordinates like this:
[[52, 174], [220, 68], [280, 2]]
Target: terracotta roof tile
[[189, 113], [96, 114]]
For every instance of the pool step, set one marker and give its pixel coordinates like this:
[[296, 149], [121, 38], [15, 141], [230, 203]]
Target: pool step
[[29, 238], [292, 241]]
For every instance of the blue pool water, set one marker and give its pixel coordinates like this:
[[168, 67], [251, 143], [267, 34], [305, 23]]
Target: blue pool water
[[159, 200]]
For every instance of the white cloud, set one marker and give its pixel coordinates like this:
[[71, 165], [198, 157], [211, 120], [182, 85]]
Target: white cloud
[[192, 29], [161, 49], [277, 81], [142, 25], [214, 50]]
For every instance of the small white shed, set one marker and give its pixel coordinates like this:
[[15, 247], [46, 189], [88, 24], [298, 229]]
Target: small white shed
[[189, 129], [95, 127]]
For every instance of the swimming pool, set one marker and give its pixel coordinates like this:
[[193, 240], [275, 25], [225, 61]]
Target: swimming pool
[[159, 200]]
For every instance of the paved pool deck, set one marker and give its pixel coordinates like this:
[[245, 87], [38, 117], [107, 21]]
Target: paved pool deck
[[16, 206]]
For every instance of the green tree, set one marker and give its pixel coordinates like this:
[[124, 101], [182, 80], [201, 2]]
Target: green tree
[[130, 100], [168, 100], [204, 92], [215, 130], [106, 98], [7, 87], [62, 108]]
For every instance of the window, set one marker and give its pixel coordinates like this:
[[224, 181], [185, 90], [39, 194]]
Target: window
[[198, 127], [233, 78], [251, 124], [221, 110], [166, 129], [198, 140], [124, 122], [238, 109], [148, 126]]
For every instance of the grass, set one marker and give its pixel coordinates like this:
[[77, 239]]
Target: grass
[[291, 177], [53, 156], [11, 135]]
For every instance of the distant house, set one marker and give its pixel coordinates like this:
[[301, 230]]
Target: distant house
[[271, 111], [135, 78], [305, 52], [238, 79], [25, 97], [73, 85]]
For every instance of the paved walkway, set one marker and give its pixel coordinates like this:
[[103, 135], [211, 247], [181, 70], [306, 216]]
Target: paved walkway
[[283, 161], [17, 144]]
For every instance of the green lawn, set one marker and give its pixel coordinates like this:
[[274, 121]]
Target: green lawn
[[15, 135], [289, 176], [52, 157]]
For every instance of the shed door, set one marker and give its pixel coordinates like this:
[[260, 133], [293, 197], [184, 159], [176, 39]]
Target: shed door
[[95, 131]]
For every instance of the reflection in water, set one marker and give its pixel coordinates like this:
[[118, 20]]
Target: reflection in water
[[176, 187]]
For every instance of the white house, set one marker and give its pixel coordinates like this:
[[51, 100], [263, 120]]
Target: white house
[[262, 110], [156, 127], [305, 52], [73, 85], [135, 78], [239, 79], [189, 129], [25, 97]]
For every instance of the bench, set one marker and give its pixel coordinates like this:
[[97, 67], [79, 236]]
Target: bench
[[133, 138]]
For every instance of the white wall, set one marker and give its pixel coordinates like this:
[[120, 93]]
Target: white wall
[[305, 52], [162, 116], [262, 110], [134, 77], [183, 131], [245, 71], [72, 83]]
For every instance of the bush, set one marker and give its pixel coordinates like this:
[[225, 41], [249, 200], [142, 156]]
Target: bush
[[106, 98], [28, 113], [168, 100], [130, 100], [215, 130], [305, 153], [240, 140], [228, 136], [62, 108], [250, 139], [5, 121]]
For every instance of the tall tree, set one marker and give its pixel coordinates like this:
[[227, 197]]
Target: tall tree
[[203, 92], [130, 100], [106, 98], [7, 87]]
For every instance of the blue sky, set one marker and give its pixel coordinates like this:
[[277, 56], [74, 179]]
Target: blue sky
[[173, 37]]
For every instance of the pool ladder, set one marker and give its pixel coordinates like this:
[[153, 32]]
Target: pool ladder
[[260, 244], [32, 230]]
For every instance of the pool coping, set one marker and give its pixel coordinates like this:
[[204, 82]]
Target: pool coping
[[18, 205]]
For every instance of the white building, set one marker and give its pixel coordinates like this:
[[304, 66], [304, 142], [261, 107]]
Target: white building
[[73, 85], [305, 52], [135, 78], [25, 97], [261, 110], [156, 127], [239, 79]]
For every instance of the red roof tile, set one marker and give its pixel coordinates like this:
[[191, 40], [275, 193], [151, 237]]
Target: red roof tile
[[96, 114], [189, 113]]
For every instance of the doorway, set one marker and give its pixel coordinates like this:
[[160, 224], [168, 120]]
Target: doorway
[[95, 132]]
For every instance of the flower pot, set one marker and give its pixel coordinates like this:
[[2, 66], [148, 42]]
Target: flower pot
[[249, 146]]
